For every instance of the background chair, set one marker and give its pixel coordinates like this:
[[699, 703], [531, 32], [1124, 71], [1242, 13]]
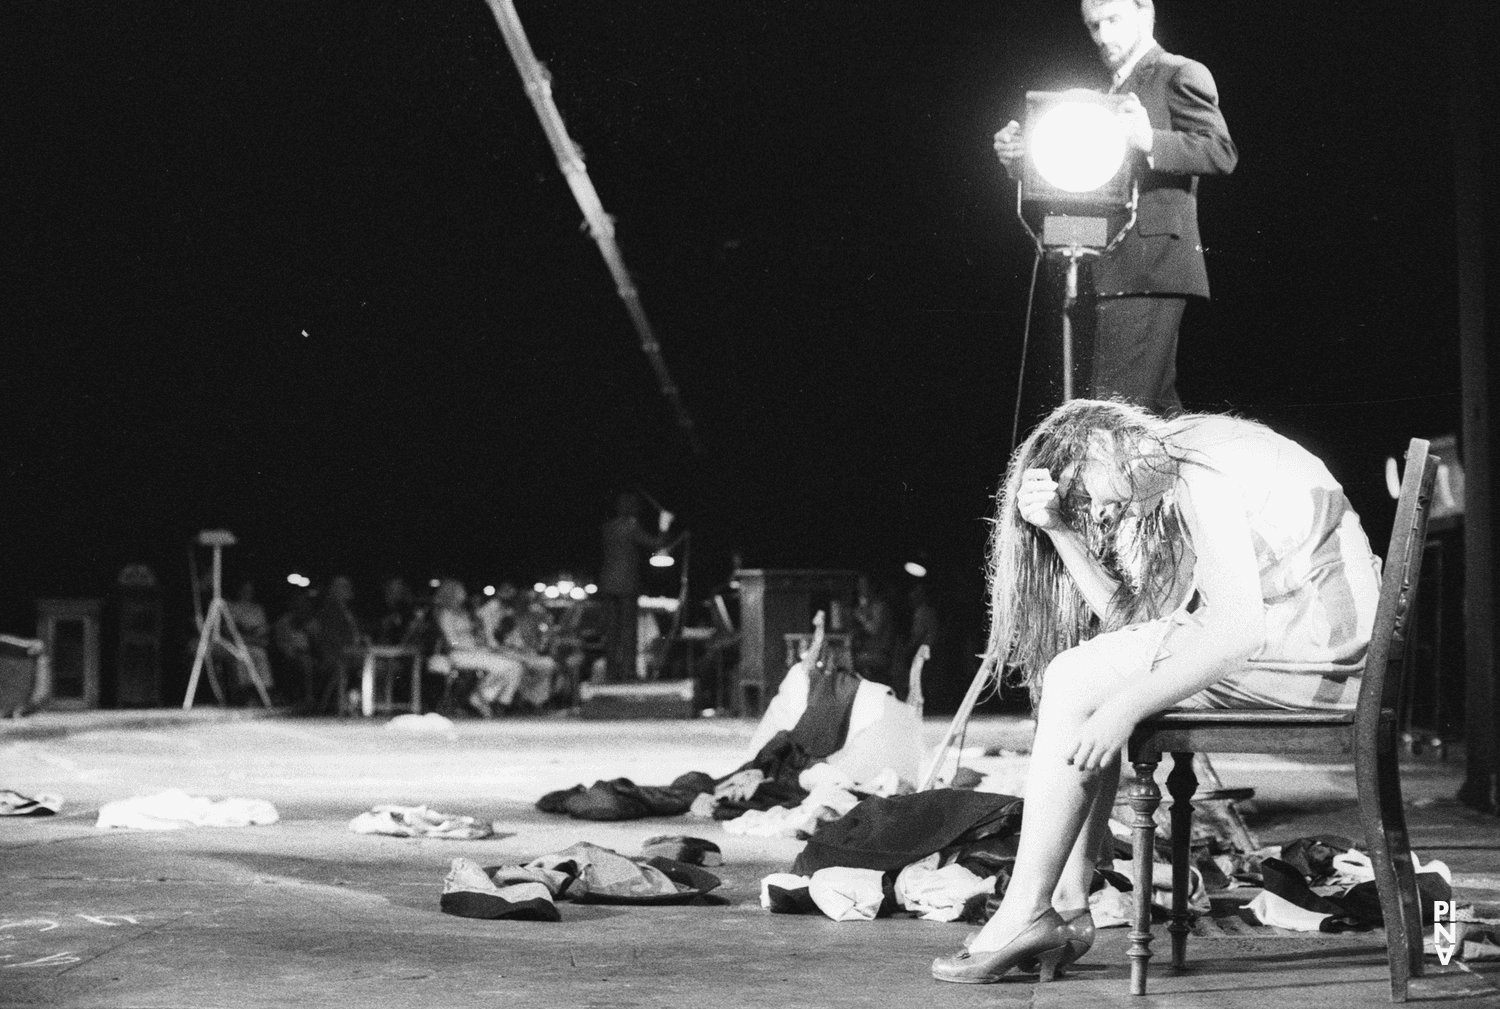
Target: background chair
[[1371, 733]]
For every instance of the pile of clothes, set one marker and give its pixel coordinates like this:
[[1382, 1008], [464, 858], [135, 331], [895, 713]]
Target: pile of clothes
[[1326, 884], [420, 821], [583, 873], [944, 855], [848, 732]]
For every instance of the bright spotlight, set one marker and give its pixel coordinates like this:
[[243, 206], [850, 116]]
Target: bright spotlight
[[434, 583], [662, 560], [551, 592], [489, 590], [590, 588], [301, 581], [915, 570], [565, 584], [578, 593], [539, 587], [1077, 146]]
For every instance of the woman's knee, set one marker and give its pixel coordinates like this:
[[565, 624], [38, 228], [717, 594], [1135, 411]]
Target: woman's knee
[[1072, 681]]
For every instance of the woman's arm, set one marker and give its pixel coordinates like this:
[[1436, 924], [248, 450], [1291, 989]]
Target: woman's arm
[[1201, 647], [1038, 501]]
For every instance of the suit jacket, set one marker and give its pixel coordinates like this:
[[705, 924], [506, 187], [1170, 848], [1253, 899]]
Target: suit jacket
[[1162, 253]]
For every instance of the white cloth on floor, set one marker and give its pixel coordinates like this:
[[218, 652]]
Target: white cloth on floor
[[823, 773], [1161, 885], [883, 732], [174, 809], [938, 894], [847, 894], [783, 881], [826, 802], [419, 821], [1110, 907], [1270, 909], [41, 804], [430, 722]]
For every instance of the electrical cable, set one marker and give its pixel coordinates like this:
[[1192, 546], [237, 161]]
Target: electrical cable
[[1015, 423]]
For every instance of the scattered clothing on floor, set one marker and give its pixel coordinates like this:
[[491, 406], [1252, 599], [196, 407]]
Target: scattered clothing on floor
[[174, 809], [681, 848], [419, 821], [848, 894], [501, 892], [623, 799], [40, 804], [584, 873], [1289, 901], [891, 833], [430, 722], [826, 802], [940, 893]]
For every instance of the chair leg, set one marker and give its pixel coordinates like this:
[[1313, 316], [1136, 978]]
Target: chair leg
[[1379, 783], [1144, 798], [1181, 784]]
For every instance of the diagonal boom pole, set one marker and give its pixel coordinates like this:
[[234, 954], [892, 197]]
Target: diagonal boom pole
[[601, 226]]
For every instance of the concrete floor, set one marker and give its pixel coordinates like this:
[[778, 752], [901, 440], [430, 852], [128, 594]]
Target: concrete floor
[[305, 912]]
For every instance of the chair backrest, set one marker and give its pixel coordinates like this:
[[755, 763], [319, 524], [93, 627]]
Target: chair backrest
[[1386, 664]]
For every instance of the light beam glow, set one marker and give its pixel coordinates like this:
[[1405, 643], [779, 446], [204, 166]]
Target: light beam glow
[[1077, 146]]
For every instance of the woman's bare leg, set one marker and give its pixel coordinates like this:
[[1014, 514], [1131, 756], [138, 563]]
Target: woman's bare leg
[[1058, 800], [1072, 891]]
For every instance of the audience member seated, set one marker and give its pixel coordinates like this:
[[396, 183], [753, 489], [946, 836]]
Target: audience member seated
[[335, 637], [292, 638], [400, 610], [504, 677], [249, 618]]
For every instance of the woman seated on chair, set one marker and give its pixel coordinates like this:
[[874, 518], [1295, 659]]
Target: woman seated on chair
[[1139, 564], [503, 675]]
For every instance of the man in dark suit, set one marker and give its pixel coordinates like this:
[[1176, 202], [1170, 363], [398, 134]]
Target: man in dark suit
[[1175, 130]]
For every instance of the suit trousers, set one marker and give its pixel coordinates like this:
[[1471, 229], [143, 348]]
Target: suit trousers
[[622, 637], [1135, 350]]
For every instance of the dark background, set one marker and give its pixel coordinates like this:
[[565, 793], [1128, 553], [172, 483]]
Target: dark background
[[806, 196]]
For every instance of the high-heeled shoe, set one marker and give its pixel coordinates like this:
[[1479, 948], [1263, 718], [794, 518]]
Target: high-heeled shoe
[[1043, 941], [1078, 931]]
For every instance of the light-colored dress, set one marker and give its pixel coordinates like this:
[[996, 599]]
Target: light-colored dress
[[1319, 580]]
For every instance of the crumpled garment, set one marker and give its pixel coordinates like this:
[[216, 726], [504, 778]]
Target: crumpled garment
[[890, 834], [826, 802], [589, 874], [786, 893], [623, 799], [174, 809], [848, 894], [939, 894], [419, 821], [841, 894], [1292, 903], [584, 873], [40, 804], [681, 848], [1161, 885], [501, 892], [429, 722]]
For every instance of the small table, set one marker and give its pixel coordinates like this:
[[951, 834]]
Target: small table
[[370, 657]]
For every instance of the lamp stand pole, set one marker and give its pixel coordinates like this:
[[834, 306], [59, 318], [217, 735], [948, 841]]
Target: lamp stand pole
[[1073, 254]]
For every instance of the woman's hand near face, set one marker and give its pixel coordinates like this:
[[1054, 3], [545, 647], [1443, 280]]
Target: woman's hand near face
[[1038, 500]]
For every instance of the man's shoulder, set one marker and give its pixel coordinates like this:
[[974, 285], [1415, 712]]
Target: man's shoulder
[[1179, 66]]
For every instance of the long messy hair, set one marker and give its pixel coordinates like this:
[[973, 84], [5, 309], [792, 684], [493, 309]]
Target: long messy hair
[[1036, 609]]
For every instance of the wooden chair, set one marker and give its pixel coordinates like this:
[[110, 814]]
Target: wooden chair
[[1371, 733]]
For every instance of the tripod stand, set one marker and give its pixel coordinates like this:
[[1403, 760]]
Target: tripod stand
[[216, 622]]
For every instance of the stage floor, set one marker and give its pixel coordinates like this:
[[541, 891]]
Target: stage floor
[[307, 912]]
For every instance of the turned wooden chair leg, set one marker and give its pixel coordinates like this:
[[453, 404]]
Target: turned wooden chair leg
[[1144, 798], [1384, 819], [1181, 784]]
